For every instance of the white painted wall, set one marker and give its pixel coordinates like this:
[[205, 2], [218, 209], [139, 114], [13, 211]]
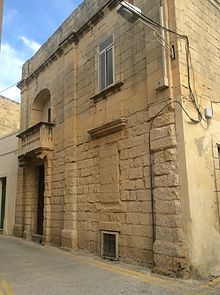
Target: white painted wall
[[9, 168]]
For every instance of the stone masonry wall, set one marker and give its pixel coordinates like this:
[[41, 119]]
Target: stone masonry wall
[[9, 115], [113, 171], [170, 250], [95, 184]]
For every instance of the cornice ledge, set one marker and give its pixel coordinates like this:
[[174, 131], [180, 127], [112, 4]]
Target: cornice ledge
[[22, 84], [108, 128], [54, 56], [73, 37]]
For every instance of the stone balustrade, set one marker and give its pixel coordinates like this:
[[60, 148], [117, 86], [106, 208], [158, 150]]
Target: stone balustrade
[[35, 139]]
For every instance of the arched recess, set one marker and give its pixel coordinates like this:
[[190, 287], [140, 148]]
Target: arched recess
[[41, 107]]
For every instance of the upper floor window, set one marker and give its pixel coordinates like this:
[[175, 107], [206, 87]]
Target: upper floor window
[[106, 63]]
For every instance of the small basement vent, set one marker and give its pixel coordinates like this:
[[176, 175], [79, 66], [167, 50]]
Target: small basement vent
[[109, 245]]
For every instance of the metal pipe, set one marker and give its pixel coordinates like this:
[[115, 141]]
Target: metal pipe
[[164, 61]]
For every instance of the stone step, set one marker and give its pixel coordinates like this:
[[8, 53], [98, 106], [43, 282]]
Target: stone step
[[37, 238]]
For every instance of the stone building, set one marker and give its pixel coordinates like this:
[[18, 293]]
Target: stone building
[[9, 115], [117, 155]]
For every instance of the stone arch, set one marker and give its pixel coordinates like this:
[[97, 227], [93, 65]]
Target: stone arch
[[41, 107]]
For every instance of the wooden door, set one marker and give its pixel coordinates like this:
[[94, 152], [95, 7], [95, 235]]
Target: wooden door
[[40, 211], [3, 201]]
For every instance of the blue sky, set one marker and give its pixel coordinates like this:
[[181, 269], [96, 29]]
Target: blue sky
[[26, 26]]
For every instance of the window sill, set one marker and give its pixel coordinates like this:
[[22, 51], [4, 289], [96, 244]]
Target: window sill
[[107, 91]]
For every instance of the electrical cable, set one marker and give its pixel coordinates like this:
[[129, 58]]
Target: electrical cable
[[169, 48], [156, 35], [1, 91], [191, 96], [151, 160], [185, 37], [185, 111]]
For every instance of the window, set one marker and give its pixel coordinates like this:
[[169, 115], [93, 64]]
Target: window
[[109, 245], [106, 63]]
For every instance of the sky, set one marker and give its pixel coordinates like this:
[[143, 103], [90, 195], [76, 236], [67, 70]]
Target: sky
[[27, 24]]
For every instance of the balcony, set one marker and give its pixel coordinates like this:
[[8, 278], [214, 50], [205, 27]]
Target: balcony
[[35, 140]]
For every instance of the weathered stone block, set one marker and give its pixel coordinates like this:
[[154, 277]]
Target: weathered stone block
[[173, 249], [162, 132], [168, 207], [165, 168], [135, 173], [166, 193], [163, 143], [164, 119], [169, 234], [169, 220]]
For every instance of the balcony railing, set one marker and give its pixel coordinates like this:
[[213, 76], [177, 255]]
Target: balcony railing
[[36, 138]]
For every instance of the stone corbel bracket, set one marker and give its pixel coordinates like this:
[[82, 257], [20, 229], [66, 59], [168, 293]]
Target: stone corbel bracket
[[108, 128]]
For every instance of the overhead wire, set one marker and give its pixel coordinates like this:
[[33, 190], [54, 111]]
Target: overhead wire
[[158, 36], [150, 23], [187, 48], [151, 159], [2, 91]]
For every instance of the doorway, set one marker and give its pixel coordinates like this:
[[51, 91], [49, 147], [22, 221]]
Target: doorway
[[40, 209], [2, 201]]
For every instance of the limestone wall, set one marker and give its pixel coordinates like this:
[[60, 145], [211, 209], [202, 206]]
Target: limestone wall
[[111, 155], [97, 184], [9, 115]]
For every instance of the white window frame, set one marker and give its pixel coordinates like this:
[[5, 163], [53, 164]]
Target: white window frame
[[116, 234], [113, 63]]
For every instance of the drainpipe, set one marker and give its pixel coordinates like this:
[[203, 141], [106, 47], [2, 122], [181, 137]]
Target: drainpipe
[[164, 82]]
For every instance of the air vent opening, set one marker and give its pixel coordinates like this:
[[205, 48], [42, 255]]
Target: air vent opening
[[109, 245]]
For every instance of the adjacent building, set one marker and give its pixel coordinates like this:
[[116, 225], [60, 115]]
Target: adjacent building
[[8, 181], [9, 124], [9, 115], [119, 141]]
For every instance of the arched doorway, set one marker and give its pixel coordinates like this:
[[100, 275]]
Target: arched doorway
[[40, 113]]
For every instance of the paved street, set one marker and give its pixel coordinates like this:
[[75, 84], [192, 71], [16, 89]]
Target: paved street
[[30, 269]]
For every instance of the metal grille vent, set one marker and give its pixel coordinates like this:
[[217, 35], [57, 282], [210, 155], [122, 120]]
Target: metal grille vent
[[109, 247]]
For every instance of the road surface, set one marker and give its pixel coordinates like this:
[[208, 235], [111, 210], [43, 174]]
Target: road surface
[[27, 268]]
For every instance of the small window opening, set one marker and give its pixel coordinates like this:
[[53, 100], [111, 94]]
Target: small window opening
[[109, 247]]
